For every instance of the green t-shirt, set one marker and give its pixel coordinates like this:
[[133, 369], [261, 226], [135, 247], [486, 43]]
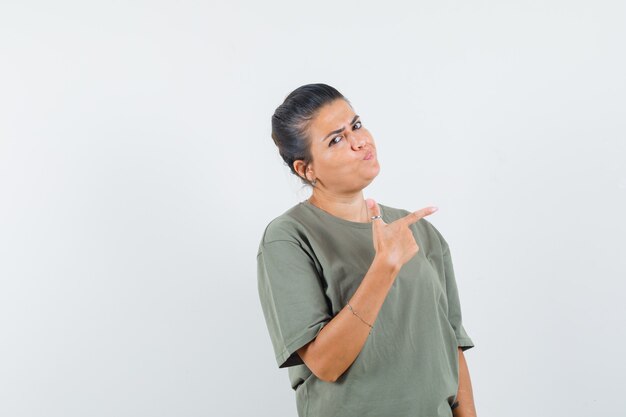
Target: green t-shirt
[[309, 265]]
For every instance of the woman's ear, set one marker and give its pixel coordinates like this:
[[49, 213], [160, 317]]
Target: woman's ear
[[298, 166]]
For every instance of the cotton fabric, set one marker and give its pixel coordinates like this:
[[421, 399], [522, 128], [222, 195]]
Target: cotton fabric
[[310, 263]]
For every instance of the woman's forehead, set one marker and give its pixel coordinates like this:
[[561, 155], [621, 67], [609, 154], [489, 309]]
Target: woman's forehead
[[332, 116]]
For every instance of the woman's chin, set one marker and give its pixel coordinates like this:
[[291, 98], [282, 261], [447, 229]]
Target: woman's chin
[[372, 176], [375, 170]]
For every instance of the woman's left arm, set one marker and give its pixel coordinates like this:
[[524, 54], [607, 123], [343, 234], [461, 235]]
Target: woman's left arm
[[464, 396]]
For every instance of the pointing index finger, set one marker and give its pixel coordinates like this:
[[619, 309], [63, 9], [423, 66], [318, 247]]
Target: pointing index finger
[[416, 215]]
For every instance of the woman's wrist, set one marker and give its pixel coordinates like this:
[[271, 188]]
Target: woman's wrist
[[383, 263]]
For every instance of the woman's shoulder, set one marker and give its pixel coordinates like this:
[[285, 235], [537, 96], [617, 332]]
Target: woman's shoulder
[[285, 226]]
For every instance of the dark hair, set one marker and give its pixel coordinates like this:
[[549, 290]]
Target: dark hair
[[291, 121]]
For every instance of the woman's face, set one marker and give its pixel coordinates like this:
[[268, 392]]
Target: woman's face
[[339, 145]]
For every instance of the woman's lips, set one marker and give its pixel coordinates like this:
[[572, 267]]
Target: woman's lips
[[368, 156]]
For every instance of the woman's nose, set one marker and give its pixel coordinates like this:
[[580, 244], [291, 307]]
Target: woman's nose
[[357, 142]]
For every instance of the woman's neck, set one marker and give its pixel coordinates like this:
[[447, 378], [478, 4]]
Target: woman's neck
[[348, 208]]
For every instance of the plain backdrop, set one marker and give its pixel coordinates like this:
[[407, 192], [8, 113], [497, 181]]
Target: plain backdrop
[[137, 174]]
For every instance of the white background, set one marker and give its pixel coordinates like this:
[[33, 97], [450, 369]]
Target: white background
[[137, 174]]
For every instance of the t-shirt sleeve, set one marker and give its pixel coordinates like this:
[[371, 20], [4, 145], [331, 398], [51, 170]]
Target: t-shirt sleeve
[[454, 305], [292, 298]]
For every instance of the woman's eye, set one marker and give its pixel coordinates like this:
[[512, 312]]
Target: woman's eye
[[356, 126], [332, 141]]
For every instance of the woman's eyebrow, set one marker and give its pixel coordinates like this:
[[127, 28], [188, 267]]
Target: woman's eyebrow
[[356, 116]]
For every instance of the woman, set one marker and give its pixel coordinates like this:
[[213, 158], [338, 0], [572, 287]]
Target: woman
[[359, 298]]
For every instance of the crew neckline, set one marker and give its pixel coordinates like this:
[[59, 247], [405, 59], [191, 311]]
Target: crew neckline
[[339, 220]]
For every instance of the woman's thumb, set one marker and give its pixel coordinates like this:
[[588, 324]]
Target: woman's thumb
[[372, 207]]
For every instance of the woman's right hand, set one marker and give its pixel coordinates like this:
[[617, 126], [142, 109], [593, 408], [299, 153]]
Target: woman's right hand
[[394, 242]]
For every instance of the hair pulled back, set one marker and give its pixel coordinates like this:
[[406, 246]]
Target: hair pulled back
[[291, 121]]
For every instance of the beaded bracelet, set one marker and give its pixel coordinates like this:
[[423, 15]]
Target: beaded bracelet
[[354, 312]]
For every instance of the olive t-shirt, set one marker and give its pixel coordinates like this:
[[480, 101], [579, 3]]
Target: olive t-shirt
[[310, 263]]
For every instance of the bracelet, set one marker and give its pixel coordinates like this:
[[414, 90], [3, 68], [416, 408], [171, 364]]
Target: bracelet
[[354, 312]]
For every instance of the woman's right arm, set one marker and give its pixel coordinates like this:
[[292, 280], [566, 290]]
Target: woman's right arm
[[340, 341]]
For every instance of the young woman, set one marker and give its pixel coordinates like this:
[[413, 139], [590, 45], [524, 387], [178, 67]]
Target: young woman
[[359, 298]]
